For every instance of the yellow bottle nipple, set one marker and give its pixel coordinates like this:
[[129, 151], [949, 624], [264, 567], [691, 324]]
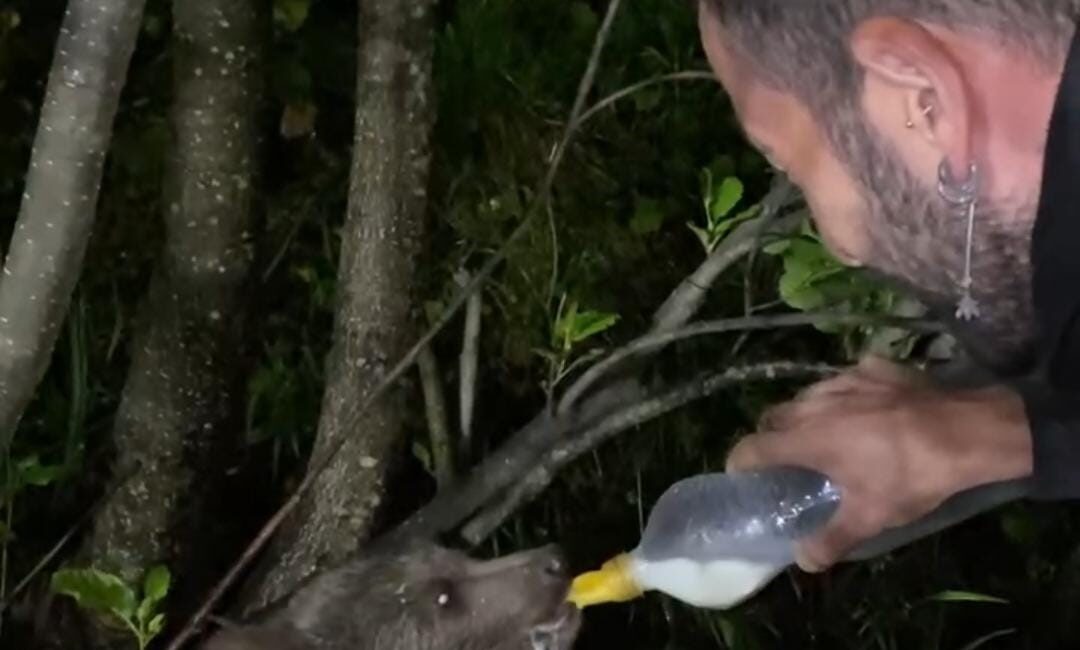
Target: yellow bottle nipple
[[612, 583]]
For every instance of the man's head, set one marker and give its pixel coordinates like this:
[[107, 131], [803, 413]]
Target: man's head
[[862, 101]]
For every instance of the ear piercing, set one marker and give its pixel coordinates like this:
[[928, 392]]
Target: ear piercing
[[925, 112]]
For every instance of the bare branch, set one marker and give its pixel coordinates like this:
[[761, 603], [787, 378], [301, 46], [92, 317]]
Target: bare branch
[[651, 342], [512, 460], [573, 446], [468, 362], [89, 70], [442, 448], [688, 297], [685, 75]]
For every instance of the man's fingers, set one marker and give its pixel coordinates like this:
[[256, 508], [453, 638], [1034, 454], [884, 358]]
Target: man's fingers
[[766, 449], [846, 530], [778, 417]]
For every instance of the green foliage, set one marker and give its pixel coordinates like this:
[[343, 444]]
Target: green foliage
[[719, 201], [573, 326], [812, 280], [116, 602], [291, 14]]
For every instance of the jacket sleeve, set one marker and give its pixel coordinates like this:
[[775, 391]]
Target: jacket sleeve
[[1054, 419]]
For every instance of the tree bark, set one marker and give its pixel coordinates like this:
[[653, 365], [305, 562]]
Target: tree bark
[[380, 244], [56, 216], [175, 409]]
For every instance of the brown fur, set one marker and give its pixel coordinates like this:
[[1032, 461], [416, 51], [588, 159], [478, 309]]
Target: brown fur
[[423, 598]]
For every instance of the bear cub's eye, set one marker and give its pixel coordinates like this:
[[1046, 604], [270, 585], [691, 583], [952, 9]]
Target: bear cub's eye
[[443, 594]]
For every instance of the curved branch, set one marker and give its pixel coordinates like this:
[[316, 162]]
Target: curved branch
[[573, 446], [650, 342], [686, 75]]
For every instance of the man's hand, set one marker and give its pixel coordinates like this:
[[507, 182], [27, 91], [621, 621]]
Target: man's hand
[[895, 445]]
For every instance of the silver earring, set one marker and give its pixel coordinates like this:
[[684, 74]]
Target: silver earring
[[925, 112], [962, 197]]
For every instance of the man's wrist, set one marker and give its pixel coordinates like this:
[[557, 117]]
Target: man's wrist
[[994, 425]]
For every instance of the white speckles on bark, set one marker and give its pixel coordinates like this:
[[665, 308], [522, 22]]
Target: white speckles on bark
[[380, 245], [170, 419], [46, 252]]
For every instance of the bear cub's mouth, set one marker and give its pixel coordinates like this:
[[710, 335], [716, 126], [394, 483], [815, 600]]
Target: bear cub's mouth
[[559, 632]]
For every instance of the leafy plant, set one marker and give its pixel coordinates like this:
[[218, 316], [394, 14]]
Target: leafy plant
[[812, 279], [110, 597], [572, 327], [719, 200]]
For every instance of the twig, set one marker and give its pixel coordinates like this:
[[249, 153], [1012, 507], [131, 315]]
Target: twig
[[686, 75], [517, 455], [655, 340], [316, 468], [468, 362], [688, 297], [574, 445], [748, 274], [442, 448]]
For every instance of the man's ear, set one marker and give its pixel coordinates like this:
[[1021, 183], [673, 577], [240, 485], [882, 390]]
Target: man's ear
[[904, 55]]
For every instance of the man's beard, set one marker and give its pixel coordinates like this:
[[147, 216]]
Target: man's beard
[[918, 242]]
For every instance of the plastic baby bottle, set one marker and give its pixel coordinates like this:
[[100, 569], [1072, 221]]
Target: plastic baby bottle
[[714, 540]]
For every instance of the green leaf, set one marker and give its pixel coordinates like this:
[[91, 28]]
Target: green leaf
[[32, 472], [776, 247], [966, 597], [422, 454], [433, 309], [156, 584], [95, 590], [702, 235], [798, 293], [724, 227], [1020, 528], [590, 323], [648, 217], [583, 18], [291, 14], [157, 624], [647, 99], [564, 326], [724, 198]]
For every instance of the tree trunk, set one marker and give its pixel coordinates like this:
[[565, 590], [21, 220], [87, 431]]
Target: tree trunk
[[380, 244], [59, 203], [174, 413]]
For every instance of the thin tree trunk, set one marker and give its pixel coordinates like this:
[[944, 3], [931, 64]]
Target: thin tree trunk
[[174, 413], [372, 330], [59, 202]]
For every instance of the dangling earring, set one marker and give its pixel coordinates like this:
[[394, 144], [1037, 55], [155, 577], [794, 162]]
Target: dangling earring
[[962, 197]]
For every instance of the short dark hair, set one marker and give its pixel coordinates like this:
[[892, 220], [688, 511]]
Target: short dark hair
[[801, 46]]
